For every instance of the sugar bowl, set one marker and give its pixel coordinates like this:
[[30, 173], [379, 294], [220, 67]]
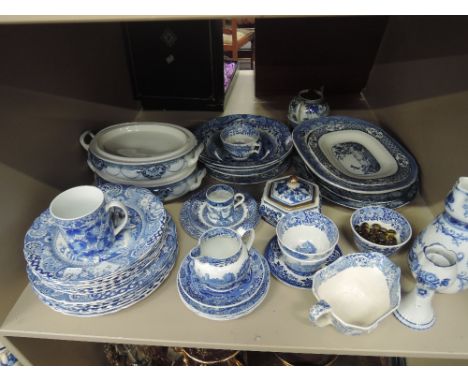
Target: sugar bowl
[[286, 195]]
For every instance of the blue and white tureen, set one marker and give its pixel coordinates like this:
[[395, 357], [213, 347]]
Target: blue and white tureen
[[288, 194]]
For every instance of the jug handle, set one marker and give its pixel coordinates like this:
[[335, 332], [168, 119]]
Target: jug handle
[[320, 314]]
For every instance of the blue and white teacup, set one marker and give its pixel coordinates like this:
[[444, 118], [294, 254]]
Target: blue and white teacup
[[307, 235], [241, 140], [221, 200], [85, 221], [221, 258]]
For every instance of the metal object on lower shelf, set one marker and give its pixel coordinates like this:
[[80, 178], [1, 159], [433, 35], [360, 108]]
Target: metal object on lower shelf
[[209, 357], [135, 355], [301, 359]]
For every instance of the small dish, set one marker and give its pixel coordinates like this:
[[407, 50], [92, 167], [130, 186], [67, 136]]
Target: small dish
[[387, 219]]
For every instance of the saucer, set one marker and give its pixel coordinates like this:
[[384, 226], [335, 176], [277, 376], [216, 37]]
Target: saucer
[[194, 216], [231, 308], [197, 291], [281, 272], [51, 261], [143, 285]]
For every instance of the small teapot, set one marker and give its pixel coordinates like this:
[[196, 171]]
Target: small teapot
[[308, 104], [221, 258]]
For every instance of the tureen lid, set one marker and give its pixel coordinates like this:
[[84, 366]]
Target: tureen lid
[[292, 191]]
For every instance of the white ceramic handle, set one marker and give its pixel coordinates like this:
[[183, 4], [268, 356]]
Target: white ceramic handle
[[123, 223], [198, 181], [257, 148], [196, 154], [83, 137], [248, 237], [239, 199], [319, 314]]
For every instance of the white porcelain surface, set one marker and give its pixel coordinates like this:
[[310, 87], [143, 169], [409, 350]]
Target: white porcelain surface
[[142, 142], [355, 293]]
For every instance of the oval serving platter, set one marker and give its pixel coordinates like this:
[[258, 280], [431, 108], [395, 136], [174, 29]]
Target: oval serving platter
[[355, 155]]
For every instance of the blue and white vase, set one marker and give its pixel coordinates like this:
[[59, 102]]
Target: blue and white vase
[[438, 260]]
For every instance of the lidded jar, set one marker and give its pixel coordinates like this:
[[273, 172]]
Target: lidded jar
[[308, 104], [288, 194]]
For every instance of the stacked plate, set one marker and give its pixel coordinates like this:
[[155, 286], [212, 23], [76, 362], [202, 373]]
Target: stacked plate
[[271, 161], [138, 262], [158, 156], [355, 163]]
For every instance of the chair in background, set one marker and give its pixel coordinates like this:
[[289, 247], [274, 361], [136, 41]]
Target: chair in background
[[235, 38]]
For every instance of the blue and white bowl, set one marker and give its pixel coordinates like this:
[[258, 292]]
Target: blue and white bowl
[[386, 218], [307, 235]]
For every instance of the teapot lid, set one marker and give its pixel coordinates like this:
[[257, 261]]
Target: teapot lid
[[292, 191]]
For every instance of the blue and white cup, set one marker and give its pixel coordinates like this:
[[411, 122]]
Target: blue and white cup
[[221, 201], [85, 222], [221, 258], [241, 140]]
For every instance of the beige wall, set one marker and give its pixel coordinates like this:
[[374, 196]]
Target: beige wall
[[418, 88]]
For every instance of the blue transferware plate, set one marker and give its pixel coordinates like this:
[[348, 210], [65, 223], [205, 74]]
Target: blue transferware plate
[[230, 312], [195, 220], [254, 178], [47, 256], [141, 278], [275, 138], [155, 276], [354, 155], [196, 290], [281, 272]]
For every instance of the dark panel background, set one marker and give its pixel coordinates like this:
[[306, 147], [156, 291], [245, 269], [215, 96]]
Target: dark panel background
[[308, 52]]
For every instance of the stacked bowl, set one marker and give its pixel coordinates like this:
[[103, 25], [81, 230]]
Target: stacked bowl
[[97, 251], [244, 148], [158, 156]]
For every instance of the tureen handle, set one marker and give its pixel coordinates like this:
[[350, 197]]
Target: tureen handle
[[196, 153], [83, 138], [320, 314]]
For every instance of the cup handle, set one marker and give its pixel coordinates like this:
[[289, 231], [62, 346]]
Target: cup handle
[[257, 148], [319, 314], [239, 199], [83, 139], [248, 236], [123, 223]]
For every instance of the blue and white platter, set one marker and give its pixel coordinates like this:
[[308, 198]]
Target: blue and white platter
[[354, 155], [47, 256], [228, 305], [195, 220], [275, 138], [140, 287], [285, 275]]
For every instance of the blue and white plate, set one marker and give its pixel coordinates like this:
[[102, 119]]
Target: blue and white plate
[[281, 272], [142, 286], [140, 279], [275, 137], [200, 293], [195, 220], [146, 227], [232, 306], [354, 155], [253, 178]]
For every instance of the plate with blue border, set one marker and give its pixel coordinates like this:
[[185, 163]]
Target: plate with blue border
[[230, 307]]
